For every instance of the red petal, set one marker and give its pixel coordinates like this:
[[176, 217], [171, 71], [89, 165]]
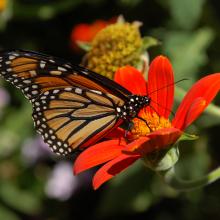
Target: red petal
[[131, 79], [205, 89], [161, 85], [156, 140], [116, 133], [112, 168], [195, 110], [97, 154]]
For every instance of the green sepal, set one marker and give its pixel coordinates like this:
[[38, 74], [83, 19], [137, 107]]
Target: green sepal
[[149, 42], [187, 137], [84, 45], [165, 159]]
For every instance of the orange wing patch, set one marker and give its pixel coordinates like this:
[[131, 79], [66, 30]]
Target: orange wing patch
[[70, 118]]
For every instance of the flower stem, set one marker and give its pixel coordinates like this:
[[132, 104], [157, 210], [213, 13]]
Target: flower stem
[[172, 180]]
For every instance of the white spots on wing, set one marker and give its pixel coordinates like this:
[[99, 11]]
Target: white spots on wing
[[52, 61], [61, 68], [68, 89], [78, 91], [9, 69], [27, 81], [46, 93], [118, 109], [11, 57], [67, 65], [34, 86], [49, 142], [33, 73], [35, 92], [55, 72], [61, 150], [97, 92], [42, 64], [56, 91], [8, 62], [85, 72], [15, 54]]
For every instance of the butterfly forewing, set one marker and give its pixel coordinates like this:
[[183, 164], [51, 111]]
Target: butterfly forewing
[[35, 73], [73, 118], [72, 107]]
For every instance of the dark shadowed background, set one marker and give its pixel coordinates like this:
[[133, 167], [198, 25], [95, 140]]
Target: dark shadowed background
[[36, 185]]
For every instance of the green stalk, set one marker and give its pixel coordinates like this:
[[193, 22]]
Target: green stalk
[[172, 180]]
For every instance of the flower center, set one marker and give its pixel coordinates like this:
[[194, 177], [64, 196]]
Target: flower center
[[154, 122]]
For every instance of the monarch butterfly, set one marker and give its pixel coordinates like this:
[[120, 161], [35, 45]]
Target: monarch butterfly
[[73, 107]]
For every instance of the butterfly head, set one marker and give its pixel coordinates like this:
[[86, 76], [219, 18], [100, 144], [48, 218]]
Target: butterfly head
[[132, 107]]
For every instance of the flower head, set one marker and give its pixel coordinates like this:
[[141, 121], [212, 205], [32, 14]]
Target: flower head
[[3, 4], [153, 131], [115, 46], [86, 32]]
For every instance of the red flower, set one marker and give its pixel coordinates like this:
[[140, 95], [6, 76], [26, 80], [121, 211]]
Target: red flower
[[160, 133], [86, 32]]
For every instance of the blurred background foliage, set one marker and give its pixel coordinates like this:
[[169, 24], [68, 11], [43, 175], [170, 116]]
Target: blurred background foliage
[[35, 184]]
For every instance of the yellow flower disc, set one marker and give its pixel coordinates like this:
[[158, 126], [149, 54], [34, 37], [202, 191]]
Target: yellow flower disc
[[115, 46]]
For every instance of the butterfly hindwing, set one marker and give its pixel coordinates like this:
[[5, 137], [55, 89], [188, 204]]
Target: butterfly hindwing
[[73, 118]]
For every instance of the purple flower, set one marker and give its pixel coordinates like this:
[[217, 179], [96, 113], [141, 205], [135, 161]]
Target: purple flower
[[35, 149], [62, 183], [4, 98]]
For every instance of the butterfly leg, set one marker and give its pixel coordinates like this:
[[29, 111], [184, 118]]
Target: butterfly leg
[[145, 123]]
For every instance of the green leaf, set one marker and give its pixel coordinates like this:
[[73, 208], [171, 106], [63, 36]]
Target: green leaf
[[187, 51], [84, 45], [187, 137], [186, 13], [7, 214], [150, 42], [132, 188], [19, 199]]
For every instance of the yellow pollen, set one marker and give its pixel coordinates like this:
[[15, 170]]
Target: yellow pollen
[[154, 122], [115, 46]]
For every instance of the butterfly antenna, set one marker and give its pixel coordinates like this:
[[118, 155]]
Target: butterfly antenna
[[168, 86]]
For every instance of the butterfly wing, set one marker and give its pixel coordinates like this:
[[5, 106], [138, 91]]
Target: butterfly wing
[[35, 73], [74, 118]]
